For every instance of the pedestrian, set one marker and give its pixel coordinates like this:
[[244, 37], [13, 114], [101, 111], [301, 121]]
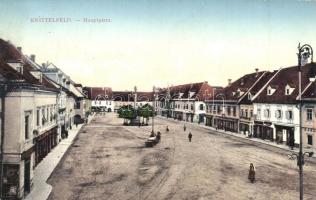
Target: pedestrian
[[76, 124], [252, 173], [184, 127], [292, 142], [167, 129], [190, 136]]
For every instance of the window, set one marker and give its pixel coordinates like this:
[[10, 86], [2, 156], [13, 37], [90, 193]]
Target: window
[[246, 113], [278, 114], [241, 112], [51, 114], [192, 106], [214, 109], [309, 114], [258, 113], [287, 92], [310, 139], [78, 104], [289, 115], [43, 117], [228, 110], [47, 114], [249, 96], [269, 91], [234, 111], [251, 113], [201, 107], [218, 109], [26, 127], [266, 113], [37, 117]]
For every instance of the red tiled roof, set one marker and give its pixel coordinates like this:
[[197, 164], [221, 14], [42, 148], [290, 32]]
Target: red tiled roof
[[128, 96], [200, 91], [94, 92], [8, 52], [9, 73]]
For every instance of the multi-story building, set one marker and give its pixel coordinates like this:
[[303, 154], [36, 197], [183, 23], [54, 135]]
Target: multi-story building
[[276, 106], [137, 99], [28, 120], [246, 108], [223, 107], [309, 113], [100, 97], [184, 102], [66, 97]]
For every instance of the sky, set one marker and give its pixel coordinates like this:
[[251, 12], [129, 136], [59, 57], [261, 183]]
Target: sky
[[167, 42]]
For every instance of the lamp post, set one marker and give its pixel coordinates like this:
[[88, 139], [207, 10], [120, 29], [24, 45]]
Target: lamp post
[[213, 109], [304, 52], [153, 113]]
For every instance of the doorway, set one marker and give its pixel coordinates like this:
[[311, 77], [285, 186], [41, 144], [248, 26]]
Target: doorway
[[27, 181]]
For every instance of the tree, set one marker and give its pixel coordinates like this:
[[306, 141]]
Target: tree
[[145, 111]]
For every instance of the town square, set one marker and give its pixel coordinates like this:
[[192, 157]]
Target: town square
[[157, 100]]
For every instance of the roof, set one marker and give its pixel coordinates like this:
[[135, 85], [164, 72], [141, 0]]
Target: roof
[[94, 92], [263, 80], [128, 96], [199, 91], [9, 73], [9, 53], [236, 90], [310, 92], [286, 77]]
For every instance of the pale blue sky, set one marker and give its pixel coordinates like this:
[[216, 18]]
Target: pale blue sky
[[161, 42]]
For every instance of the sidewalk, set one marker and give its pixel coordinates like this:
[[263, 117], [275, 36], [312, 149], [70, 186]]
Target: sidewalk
[[240, 135], [41, 189]]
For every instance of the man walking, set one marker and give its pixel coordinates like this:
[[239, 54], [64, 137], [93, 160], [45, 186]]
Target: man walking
[[190, 136], [184, 127]]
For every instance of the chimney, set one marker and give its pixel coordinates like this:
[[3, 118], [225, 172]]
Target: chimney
[[43, 65], [33, 57], [257, 70], [229, 82], [19, 49]]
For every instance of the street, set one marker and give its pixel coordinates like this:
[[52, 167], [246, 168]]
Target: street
[[109, 161]]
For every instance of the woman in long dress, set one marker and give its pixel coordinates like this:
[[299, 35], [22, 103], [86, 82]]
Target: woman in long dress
[[252, 173]]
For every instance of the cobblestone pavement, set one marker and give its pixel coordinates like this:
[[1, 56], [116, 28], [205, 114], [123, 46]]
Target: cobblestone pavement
[[109, 161]]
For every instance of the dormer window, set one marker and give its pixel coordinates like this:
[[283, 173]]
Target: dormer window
[[180, 95], [242, 82], [249, 96], [270, 90], [16, 65], [191, 94], [288, 90]]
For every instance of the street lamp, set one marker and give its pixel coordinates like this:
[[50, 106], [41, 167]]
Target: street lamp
[[153, 113], [304, 52]]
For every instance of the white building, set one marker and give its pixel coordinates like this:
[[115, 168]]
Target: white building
[[28, 123], [184, 102], [276, 106]]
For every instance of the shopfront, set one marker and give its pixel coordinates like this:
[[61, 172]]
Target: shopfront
[[283, 134], [263, 130], [44, 143]]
